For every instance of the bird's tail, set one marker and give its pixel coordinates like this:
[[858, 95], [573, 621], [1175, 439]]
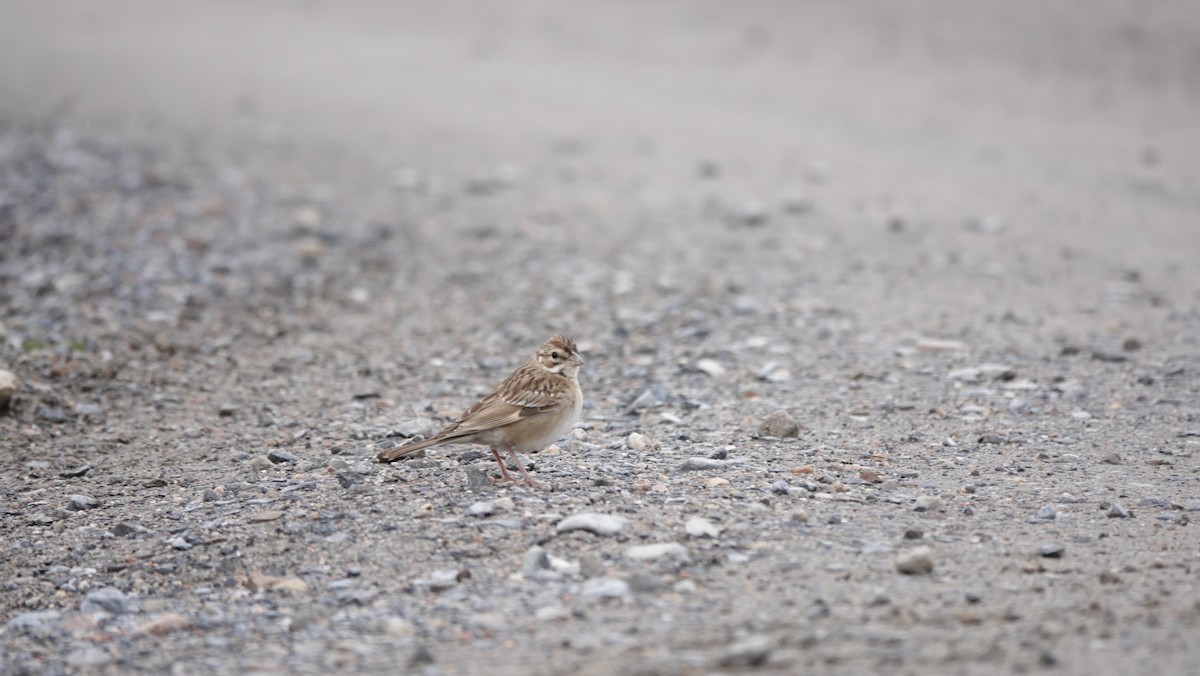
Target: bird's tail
[[406, 450]]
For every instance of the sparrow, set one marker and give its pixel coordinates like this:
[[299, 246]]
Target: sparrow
[[530, 410]]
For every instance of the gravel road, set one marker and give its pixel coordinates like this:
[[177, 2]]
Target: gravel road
[[890, 314]]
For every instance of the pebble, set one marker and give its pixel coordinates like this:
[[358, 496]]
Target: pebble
[[751, 651], [716, 482], [940, 345], [928, 503], [535, 559], [701, 464], [779, 424], [481, 508], [8, 387], [81, 502], [1118, 511], [916, 561], [1052, 550], [643, 582], [1113, 459], [656, 551], [700, 527], [105, 599], [600, 524], [33, 621], [636, 441], [87, 659], [278, 456], [605, 588], [1047, 513], [710, 367], [348, 479], [267, 515], [50, 414], [591, 566], [752, 212]]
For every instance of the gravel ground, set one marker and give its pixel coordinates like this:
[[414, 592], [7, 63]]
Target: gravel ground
[[843, 415]]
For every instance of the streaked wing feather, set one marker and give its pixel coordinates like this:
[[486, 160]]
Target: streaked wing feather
[[514, 400]]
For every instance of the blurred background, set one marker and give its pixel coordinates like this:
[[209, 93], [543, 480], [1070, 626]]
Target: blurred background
[[933, 97]]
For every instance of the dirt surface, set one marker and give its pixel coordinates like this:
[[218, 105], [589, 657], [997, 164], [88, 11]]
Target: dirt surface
[[245, 247]]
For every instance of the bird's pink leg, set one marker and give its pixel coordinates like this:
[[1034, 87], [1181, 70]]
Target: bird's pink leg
[[521, 466], [504, 475]]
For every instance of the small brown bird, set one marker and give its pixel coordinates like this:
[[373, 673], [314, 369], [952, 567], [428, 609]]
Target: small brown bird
[[530, 410]]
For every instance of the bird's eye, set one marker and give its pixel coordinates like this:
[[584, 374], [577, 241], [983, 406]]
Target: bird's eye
[[554, 355]]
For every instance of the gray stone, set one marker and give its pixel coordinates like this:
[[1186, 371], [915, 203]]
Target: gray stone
[[1052, 550], [81, 502], [8, 387], [1118, 511], [700, 527], [33, 621], [278, 456], [481, 508], [751, 651], [1047, 513], [600, 524], [779, 424], [106, 599], [656, 551], [604, 588], [536, 559], [701, 464], [928, 503], [916, 561]]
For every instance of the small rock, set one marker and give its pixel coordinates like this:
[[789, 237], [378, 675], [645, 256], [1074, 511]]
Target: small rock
[[348, 479], [779, 424], [600, 524], [656, 551], [267, 515], [700, 527], [711, 367], [87, 659], [1052, 550], [591, 566], [439, 580], [781, 487], [643, 582], [752, 212], [421, 657], [1047, 513], [477, 479], [81, 502], [928, 503], [636, 441], [716, 482], [916, 561], [535, 559], [278, 456], [751, 651], [605, 588], [50, 414], [33, 621], [481, 509], [8, 387], [1118, 511], [1113, 459], [75, 472], [307, 218], [106, 599], [914, 534], [700, 464], [991, 438], [940, 345]]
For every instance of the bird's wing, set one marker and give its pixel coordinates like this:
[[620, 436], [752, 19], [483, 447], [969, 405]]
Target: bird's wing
[[520, 396]]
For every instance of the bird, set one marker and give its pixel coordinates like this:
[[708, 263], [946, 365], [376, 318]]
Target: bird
[[531, 409]]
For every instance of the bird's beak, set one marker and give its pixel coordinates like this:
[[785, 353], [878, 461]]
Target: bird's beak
[[576, 359]]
